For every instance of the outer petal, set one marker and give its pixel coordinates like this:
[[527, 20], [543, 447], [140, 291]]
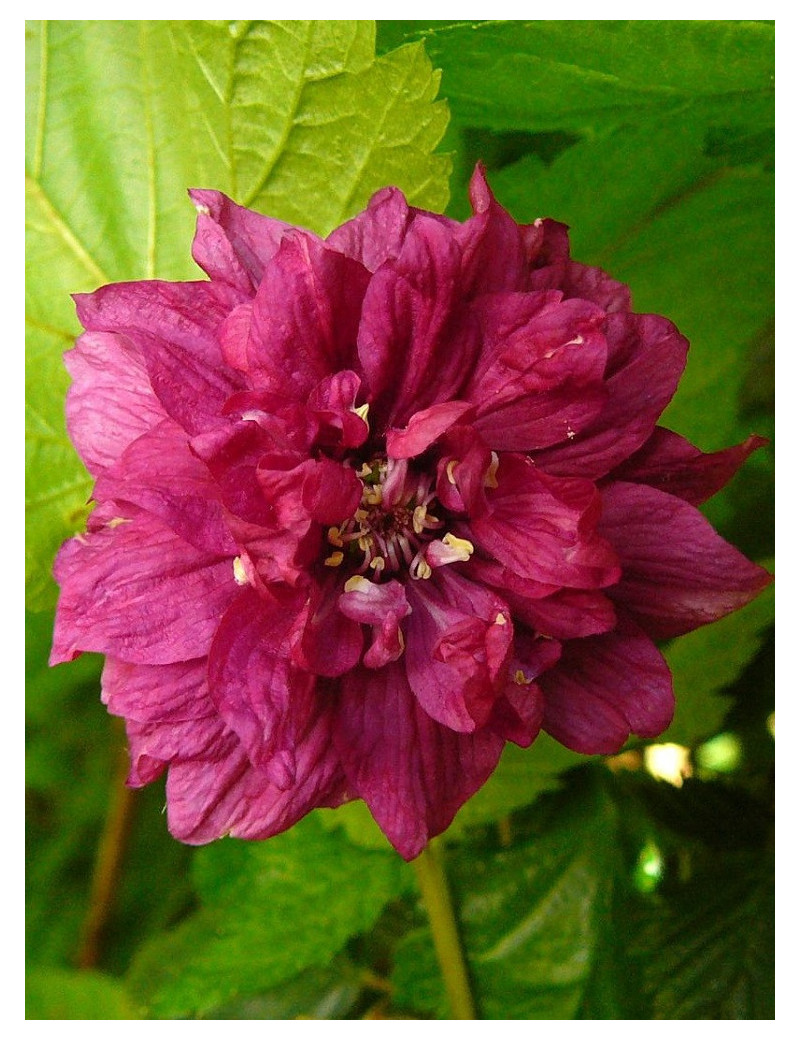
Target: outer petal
[[305, 317], [494, 253], [413, 773], [670, 463], [677, 573], [543, 528], [647, 355], [606, 687], [137, 591], [111, 401], [209, 798], [232, 244], [174, 325]]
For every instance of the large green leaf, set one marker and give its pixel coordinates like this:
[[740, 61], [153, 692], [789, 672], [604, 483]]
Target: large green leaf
[[533, 917], [269, 911], [596, 75], [296, 119]]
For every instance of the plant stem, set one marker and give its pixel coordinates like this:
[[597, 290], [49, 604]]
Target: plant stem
[[108, 863], [432, 881]]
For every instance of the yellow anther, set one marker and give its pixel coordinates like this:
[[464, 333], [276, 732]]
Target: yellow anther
[[421, 569], [500, 620], [362, 411], [365, 542], [360, 514], [335, 536], [521, 679], [451, 465], [418, 519], [239, 575], [490, 480], [373, 495], [356, 583], [462, 546], [116, 522], [377, 563], [335, 559]]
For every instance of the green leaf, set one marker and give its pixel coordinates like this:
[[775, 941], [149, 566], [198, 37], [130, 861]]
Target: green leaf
[[532, 917], [707, 660], [270, 910], [596, 75], [59, 994], [317, 993], [708, 951], [296, 119]]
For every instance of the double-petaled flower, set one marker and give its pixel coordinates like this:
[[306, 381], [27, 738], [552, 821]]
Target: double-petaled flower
[[370, 506]]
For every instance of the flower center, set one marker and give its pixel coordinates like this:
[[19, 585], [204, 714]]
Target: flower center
[[395, 525]]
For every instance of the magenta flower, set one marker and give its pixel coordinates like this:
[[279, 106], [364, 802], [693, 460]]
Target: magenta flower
[[370, 506]]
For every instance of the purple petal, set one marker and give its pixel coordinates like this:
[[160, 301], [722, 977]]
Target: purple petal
[[494, 254], [677, 573], [413, 773], [111, 401], [606, 687], [160, 474], [670, 463], [382, 607], [459, 639], [305, 317], [542, 528], [258, 691], [209, 798], [137, 591], [233, 244], [424, 428], [413, 325], [174, 325], [377, 234], [647, 355]]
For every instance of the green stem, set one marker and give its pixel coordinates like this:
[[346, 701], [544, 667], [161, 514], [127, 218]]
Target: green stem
[[432, 881]]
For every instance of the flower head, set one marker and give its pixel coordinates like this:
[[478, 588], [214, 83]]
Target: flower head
[[370, 506]]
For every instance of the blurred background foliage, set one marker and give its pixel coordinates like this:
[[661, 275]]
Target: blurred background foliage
[[639, 886]]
